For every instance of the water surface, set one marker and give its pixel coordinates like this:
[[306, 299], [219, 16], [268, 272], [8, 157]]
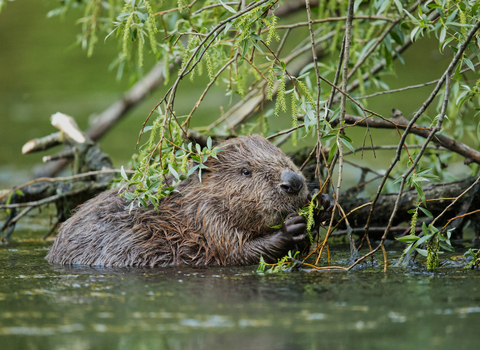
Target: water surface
[[53, 307]]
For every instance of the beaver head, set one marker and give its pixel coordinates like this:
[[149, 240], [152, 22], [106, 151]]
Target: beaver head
[[252, 185]]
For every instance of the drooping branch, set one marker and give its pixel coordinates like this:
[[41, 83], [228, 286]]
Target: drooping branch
[[464, 150]]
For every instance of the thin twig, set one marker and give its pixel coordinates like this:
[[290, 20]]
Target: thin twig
[[380, 39], [455, 201], [410, 87], [67, 178], [214, 5], [175, 9], [187, 121], [331, 19], [429, 100], [49, 199]]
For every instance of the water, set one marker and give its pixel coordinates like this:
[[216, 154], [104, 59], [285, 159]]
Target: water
[[53, 307]]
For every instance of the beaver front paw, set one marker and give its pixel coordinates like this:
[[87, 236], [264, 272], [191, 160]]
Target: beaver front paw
[[292, 230]]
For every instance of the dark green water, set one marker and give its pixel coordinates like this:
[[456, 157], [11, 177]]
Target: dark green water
[[51, 307]]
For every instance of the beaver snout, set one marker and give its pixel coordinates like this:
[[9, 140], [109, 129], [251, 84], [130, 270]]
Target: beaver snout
[[291, 183]]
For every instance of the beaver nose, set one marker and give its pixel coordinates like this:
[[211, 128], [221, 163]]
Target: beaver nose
[[291, 183]]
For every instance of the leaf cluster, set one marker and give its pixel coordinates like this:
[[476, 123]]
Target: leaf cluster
[[283, 265]]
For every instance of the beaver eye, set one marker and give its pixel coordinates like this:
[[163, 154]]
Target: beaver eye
[[245, 172]]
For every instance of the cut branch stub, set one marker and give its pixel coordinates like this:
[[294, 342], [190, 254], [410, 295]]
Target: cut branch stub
[[67, 125]]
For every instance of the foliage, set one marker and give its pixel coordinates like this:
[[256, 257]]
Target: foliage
[[253, 48], [284, 264], [433, 238], [308, 212], [154, 179], [475, 258]]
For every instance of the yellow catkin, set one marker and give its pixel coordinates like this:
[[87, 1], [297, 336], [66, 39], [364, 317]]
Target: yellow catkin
[[93, 39], [272, 30], [184, 166], [280, 103], [153, 134], [413, 222], [463, 20], [172, 160], [186, 53], [294, 118], [181, 3], [126, 35], [306, 92], [166, 62], [210, 69], [432, 252], [151, 27]]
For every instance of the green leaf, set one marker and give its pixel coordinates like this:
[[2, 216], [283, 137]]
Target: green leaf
[[424, 239], [228, 8], [422, 251], [424, 228], [397, 180], [335, 115], [469, 64], [309, 118], [147, 128], [388, 43], [144, 203], [397, 35], [227, 26], [124, 175], [276, 226], [407, 239], [421, 194], [129, 195], [192, 170], [426, 212], [443, 35], [258, 47], [328, 137], [346, 143], [399, 6], [154, 184], [356, 5], [173, 172], [447, 247], [333, 150]]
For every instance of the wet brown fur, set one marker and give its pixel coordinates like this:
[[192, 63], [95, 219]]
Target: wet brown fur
[[226, 219]]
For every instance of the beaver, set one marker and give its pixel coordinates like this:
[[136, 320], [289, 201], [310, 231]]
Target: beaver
[[230, 217]]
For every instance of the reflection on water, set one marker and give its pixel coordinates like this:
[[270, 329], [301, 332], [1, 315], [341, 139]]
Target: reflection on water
[[55, 307]]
